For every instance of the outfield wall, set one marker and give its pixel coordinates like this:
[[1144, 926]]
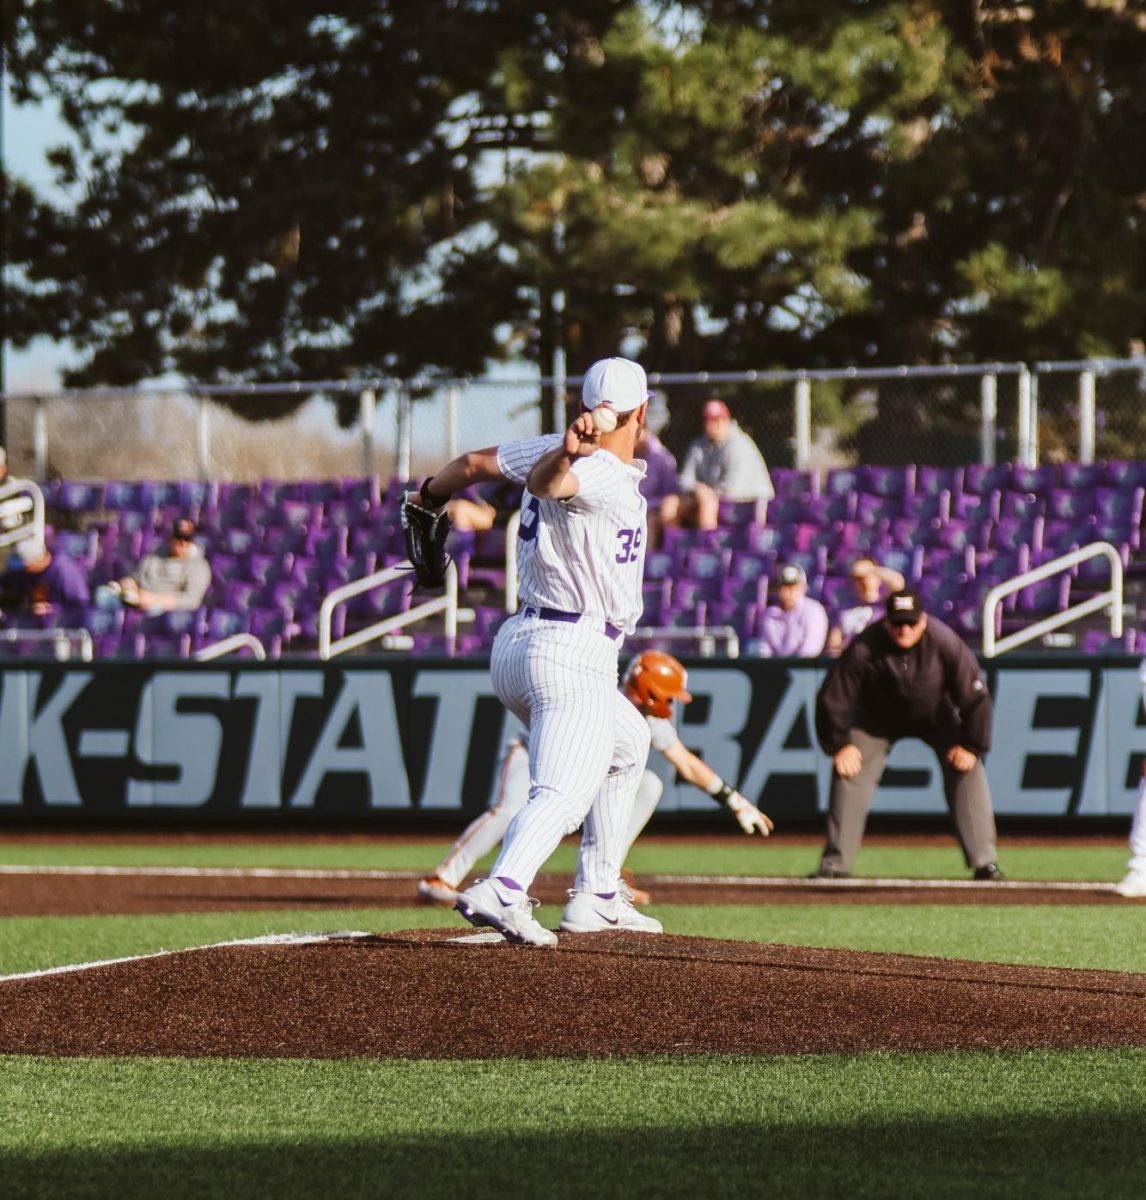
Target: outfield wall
[[281, 743]]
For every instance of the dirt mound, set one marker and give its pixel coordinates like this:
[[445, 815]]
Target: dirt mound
[[427, 994]]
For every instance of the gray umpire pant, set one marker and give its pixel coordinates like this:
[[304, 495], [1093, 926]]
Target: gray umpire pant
[[968, 798]]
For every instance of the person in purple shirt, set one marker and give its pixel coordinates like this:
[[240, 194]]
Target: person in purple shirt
[[660, 481], [797, 626], [39, 581]]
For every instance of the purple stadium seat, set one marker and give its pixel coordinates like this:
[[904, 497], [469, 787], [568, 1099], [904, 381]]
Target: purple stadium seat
[[283, 539], [823, 510], [76, 496], [975, 506], [659, 564], [237, 542], [871, 509], [742, 617], [981, 478], [703, 564], [1039, 480], [893, 483], [1082, 477], [293, 514], [1067, 505], [1119, 502], [1021, 505], [930, 481], [745, 591], [836, 592], [159, 645], [1120, 474], [688, 593], [198, 494], [843, 480], [736, 514], [655, 594], [765, 541], [102, 622], [138, 495], [1011, 534], [329, 543], [787, 512], [267, 623], [1061, 536], [224, 623], [908, 561], [1044, 597], [945, 563], [791, 484], [998, 565], [927, 506], [319, 491], [177, 623]]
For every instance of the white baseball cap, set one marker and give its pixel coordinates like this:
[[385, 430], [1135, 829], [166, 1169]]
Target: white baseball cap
[[616, 381]]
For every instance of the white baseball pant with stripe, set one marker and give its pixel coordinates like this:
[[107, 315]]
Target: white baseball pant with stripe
[[588, 746], [510, 796]]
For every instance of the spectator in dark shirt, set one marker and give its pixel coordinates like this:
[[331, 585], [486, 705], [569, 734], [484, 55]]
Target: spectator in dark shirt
[[660, 486], [907, 676], [40, 581]]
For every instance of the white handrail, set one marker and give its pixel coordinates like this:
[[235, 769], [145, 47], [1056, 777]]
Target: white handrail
[[227, 645], [17, 497], [446, 603], [59, 636], [1112, 597], [705, 635]]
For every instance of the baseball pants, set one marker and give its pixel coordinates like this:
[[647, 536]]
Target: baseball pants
[[587, 747], [968, 798]]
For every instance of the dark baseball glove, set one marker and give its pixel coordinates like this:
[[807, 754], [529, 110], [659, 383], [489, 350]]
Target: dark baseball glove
[[426, 532]]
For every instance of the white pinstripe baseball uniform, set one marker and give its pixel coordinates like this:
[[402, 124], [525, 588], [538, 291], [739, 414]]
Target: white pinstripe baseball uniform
[[554, 663]]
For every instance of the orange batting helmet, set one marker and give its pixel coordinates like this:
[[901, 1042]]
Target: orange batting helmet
[[653, 680]]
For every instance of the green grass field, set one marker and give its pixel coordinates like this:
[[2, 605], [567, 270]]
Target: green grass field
[[972, 1124]]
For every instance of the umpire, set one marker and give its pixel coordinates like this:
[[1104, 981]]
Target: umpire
[[906, 676]]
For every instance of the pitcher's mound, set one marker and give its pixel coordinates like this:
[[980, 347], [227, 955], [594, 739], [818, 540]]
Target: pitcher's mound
[[449, 994]]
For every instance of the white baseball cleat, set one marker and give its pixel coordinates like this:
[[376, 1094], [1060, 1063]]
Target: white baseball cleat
[[1133, 885], [509, 912], [435, 890], [587, 913]]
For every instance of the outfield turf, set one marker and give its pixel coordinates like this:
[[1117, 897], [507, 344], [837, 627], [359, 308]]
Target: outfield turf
[[1003, 1124]]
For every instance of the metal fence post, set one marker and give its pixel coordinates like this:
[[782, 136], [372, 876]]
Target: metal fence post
[[989, 418], [453, 436], [1086, 417], [40, 438], [1024, 418], [803, 415], [405, 433], [366, 405], [202, 438]]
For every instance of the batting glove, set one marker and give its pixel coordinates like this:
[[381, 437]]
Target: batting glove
[[749, 817]]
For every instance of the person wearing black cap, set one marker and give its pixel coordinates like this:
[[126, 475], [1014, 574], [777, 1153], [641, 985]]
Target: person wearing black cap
[[906, 676], [161, 583]]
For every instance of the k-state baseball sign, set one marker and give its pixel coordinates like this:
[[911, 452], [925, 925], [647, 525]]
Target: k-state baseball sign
[[286, 742]]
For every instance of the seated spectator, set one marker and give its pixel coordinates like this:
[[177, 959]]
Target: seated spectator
[[481, 507], [12, 514], [38, 581], [724, 463], [161, 583], [870, 581], [797, 626], [660, 484]]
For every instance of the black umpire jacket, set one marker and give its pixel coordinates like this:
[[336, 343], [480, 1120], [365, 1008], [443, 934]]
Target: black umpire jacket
[[932, 689]]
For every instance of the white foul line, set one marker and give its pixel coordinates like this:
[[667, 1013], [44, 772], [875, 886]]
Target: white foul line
[[268, 939], [213, 872], [747, 881], [858, 884]]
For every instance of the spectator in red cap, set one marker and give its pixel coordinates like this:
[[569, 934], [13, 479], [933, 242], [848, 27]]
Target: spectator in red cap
[[724, 463]]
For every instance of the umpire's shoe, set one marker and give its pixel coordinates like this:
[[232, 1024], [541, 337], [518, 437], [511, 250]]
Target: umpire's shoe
[[587, 913], [989, 874], [508, 910], [828, 873]]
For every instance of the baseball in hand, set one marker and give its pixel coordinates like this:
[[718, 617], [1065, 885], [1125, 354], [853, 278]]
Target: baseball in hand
[[604, 418]]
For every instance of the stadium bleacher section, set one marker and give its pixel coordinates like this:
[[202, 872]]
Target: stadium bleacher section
[[277, 548]]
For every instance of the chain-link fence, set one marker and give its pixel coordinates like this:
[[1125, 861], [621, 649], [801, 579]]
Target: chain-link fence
[[940, 416]]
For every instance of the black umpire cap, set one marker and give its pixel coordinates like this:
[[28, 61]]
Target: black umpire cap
[[904, 608]]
